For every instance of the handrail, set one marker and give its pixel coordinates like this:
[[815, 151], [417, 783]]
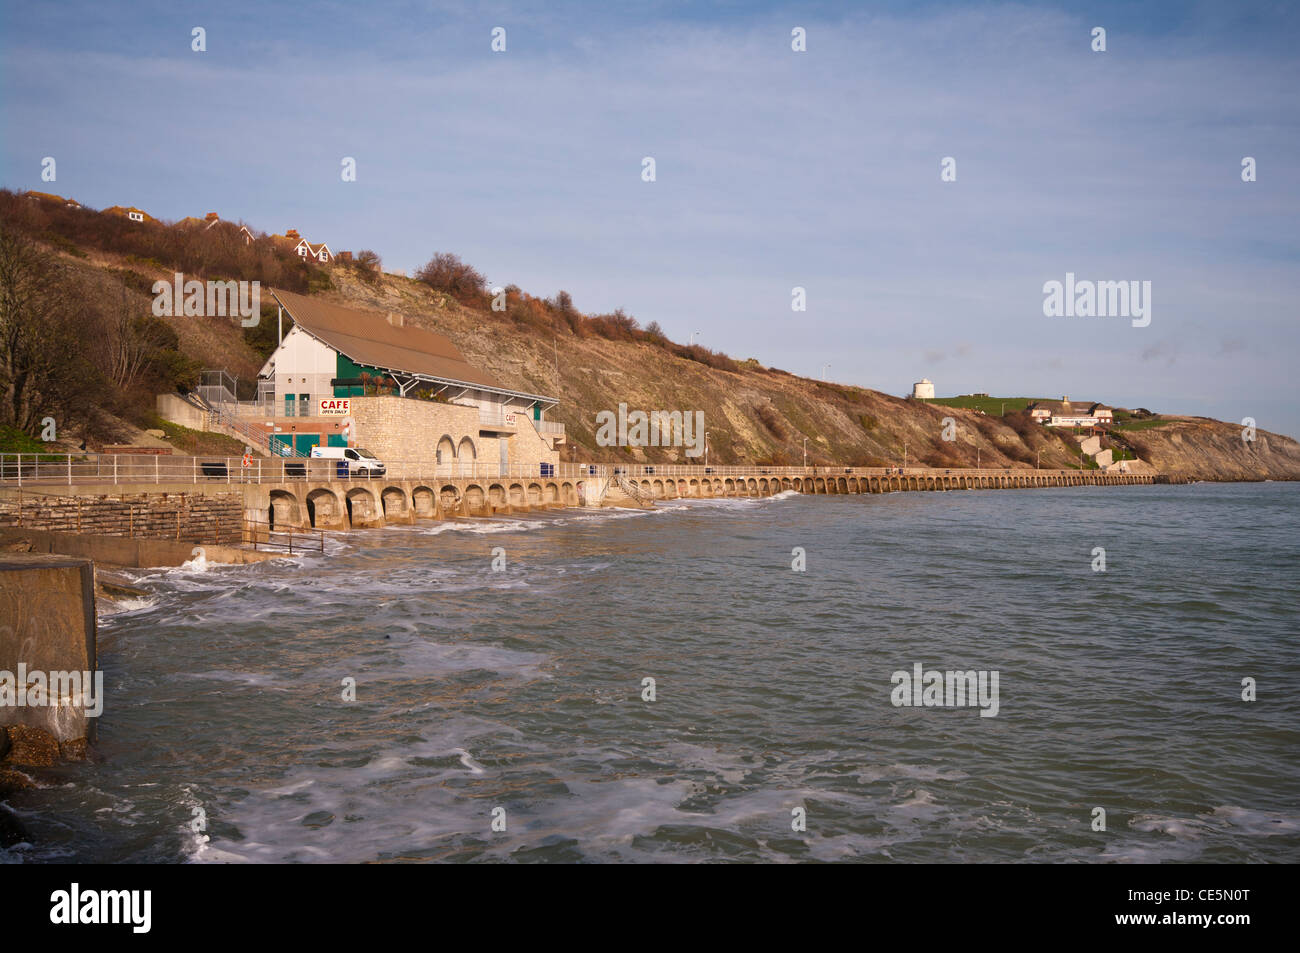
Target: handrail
[[632, 490], [132, 469], [254, 527]]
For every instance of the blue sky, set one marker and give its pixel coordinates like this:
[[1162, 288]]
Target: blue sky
[[775, 169]]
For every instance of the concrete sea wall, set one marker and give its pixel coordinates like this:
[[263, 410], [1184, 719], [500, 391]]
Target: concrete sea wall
[[47, 625]]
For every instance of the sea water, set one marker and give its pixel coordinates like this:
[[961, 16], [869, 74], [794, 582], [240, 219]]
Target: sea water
[[507, 714]]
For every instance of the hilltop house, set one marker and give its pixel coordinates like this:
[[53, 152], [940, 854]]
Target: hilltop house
[[1065, 413], [304, 248], [213, 220], [131, 212], [207, 221], [410, 392], [51, 197]]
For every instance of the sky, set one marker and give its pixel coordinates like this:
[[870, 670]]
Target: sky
[[774, 169]]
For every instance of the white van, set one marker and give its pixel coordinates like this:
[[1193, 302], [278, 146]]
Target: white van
[[351, 460]]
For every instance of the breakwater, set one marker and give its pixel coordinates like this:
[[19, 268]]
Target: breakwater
[[302, 495]]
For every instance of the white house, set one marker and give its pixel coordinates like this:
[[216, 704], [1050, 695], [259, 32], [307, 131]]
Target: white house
[[1064, 413]]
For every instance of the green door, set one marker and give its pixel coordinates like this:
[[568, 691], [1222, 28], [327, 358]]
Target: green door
[[282, 444], [336, 440], [303, 443]]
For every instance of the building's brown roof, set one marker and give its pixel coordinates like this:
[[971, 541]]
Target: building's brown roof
[[123, 210], [368, 338], [1069, 408]]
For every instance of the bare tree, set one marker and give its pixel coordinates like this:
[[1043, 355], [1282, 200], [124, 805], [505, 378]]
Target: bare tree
[[129, 343], [43, 366]]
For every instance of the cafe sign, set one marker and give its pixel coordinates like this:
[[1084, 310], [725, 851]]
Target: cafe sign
[[335, 406]]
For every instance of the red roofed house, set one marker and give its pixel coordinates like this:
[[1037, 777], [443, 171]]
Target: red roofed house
[[304, 248]]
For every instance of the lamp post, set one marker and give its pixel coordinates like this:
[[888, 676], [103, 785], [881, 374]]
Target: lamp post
[[805, 453], [904, 454], [706, 449], [1039, 463], [693, 333]]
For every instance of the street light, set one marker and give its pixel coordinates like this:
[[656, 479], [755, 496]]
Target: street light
[[904, 454], [693, 333], [805, 453], [706, 449], [1039, 464]]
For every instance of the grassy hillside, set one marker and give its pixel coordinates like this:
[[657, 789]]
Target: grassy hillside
[[754, 414]]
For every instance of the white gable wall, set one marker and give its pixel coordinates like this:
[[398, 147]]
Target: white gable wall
[[303, 365]]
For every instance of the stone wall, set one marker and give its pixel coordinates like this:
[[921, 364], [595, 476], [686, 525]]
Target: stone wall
[[175, 516], [401, 429], [529, 448]]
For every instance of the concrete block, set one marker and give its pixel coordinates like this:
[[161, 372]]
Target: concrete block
[[47, 625]]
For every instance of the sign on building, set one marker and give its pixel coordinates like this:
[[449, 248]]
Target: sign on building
[[335, 406]]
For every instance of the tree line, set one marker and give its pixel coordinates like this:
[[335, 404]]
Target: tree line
[[447, 273]]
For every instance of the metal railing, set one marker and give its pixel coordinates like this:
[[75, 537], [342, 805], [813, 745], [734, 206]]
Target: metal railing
[[262, 535], [129, 469], [632, 490], [548, 426], [497, 417]]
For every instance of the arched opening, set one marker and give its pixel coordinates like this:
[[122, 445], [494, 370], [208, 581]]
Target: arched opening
[[446, 455], [362, 508], [283, 510], [323, 509], [422, 501], [466, 456], [393, 501]]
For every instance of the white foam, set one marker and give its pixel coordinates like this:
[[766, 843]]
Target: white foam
[[128, 604]]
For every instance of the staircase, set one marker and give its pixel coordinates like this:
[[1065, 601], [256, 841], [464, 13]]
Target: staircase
[[220, 421], [620, 491]]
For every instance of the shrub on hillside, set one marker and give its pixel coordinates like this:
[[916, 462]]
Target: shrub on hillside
[[446, 272], [368, 266], [771, 420]]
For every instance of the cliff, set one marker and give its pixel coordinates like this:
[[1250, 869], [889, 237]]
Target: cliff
[[753, 413], [758, 414]]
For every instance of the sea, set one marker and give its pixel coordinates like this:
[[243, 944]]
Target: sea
[[715, 681]]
